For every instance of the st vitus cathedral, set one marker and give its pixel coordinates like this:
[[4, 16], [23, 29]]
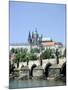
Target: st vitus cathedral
[[34, 39]]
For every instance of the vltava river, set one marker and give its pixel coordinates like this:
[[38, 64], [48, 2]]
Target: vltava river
[[13, 84]]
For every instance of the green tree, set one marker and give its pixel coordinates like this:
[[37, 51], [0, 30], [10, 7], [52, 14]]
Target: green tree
[[48, 53], [35, 50], [12, 50], [32, 56]]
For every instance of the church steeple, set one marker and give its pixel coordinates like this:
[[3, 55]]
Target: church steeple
[[37, 36], [29, 38], [34, 38]]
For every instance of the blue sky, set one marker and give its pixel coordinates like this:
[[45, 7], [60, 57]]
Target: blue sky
[[48, 18]]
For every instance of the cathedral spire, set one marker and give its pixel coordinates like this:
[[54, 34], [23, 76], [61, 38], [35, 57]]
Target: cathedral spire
[[37, 36], [29, 38]]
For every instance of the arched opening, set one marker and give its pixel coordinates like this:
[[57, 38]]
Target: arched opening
[[31, 71], [46, 69], [63, 69]]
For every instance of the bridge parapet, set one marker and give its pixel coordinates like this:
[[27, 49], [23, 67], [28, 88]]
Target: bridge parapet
[[44, 62]]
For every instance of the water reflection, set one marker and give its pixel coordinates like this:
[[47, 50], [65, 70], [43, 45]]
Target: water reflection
[[13, 84]]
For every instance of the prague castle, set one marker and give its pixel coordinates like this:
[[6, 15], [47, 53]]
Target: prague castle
[[37, 41]]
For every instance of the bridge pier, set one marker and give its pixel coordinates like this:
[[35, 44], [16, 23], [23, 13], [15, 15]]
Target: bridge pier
[[38, 72], [46, 69], [54, 71]]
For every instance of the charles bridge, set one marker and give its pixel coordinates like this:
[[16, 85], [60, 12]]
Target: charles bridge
[[49, 67], [45, 62]]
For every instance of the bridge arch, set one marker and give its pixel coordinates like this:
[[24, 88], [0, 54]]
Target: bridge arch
[[46, 69], [31, 70], [63, 69]]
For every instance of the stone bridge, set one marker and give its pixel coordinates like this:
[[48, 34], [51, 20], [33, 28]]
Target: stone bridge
[[47, 64]]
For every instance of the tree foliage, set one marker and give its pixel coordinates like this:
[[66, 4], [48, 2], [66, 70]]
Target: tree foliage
[[22, 55], [35, 50], [48, 53]]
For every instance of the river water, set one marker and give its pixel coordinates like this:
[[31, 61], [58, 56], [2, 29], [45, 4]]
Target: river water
[[13, 84]]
